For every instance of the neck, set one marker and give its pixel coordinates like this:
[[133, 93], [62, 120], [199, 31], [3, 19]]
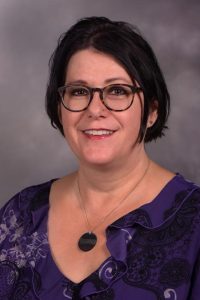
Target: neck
[[105, 190], [110, 182]]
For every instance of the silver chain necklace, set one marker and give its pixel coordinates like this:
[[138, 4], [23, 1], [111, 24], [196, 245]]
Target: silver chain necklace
[[88, 240]]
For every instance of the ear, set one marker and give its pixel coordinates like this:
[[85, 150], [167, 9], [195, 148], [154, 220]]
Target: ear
[[153, 114]]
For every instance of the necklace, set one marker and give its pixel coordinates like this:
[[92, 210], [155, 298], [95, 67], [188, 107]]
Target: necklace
[[88, 240]]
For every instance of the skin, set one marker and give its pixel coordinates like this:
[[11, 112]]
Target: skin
[[96, 69], [110, 168], [118, 156]]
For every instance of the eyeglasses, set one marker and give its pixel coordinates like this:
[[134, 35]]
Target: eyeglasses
[[116, 97]]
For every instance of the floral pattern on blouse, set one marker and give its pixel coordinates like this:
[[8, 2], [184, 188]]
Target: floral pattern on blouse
[[154, 250]]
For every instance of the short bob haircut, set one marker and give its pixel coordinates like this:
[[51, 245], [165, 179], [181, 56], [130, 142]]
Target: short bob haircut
[[123, 42]]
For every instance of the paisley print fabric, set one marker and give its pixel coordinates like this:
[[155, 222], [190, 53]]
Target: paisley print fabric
[[155, 250]]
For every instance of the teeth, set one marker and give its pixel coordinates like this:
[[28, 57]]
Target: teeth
[[98, 132]]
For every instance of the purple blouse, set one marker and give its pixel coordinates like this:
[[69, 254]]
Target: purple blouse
[[154, 250]]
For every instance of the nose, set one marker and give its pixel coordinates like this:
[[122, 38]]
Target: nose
[[96, 107], [100, 91]]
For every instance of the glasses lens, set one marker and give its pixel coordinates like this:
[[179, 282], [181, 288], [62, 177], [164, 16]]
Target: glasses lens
[[118, 97], [75, 98]]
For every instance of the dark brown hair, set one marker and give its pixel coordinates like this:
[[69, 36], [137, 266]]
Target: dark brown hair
[[123, 42]]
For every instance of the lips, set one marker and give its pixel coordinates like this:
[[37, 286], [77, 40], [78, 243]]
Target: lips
[[98, 132]]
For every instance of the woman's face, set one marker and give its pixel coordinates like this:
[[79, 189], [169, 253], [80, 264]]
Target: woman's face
[[97, 69]]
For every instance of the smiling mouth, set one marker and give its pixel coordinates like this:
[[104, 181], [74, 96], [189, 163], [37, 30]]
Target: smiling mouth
[[99, 132]]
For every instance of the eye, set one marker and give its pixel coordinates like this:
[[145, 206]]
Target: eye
[[78, 91], [118, 90]]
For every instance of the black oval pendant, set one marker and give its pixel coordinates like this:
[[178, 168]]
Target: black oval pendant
[[87, 241]]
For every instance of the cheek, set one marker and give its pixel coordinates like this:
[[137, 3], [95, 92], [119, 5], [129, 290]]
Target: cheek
[[133, 118], [69, 122], [65, 121]]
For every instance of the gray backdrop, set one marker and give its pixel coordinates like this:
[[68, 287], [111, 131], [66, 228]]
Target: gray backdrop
[[32, 151]]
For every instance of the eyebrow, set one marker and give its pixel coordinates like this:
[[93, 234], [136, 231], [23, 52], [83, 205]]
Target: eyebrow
[[117, 79], [107, 81]]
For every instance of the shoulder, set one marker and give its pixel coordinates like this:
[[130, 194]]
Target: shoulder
[[28, 198], [187, 192], [181, 219], [16, 213], [23, 238], [22, 220], [183, 197]]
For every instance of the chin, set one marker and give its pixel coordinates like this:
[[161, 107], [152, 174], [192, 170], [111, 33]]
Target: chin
[[98, 160]]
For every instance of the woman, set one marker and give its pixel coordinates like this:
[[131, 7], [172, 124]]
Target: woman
[[121, 226]]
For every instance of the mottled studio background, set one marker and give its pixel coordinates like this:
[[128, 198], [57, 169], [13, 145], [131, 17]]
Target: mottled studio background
[[31, 151]]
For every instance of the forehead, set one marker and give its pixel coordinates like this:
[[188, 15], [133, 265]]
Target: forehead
[[92, 66]]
